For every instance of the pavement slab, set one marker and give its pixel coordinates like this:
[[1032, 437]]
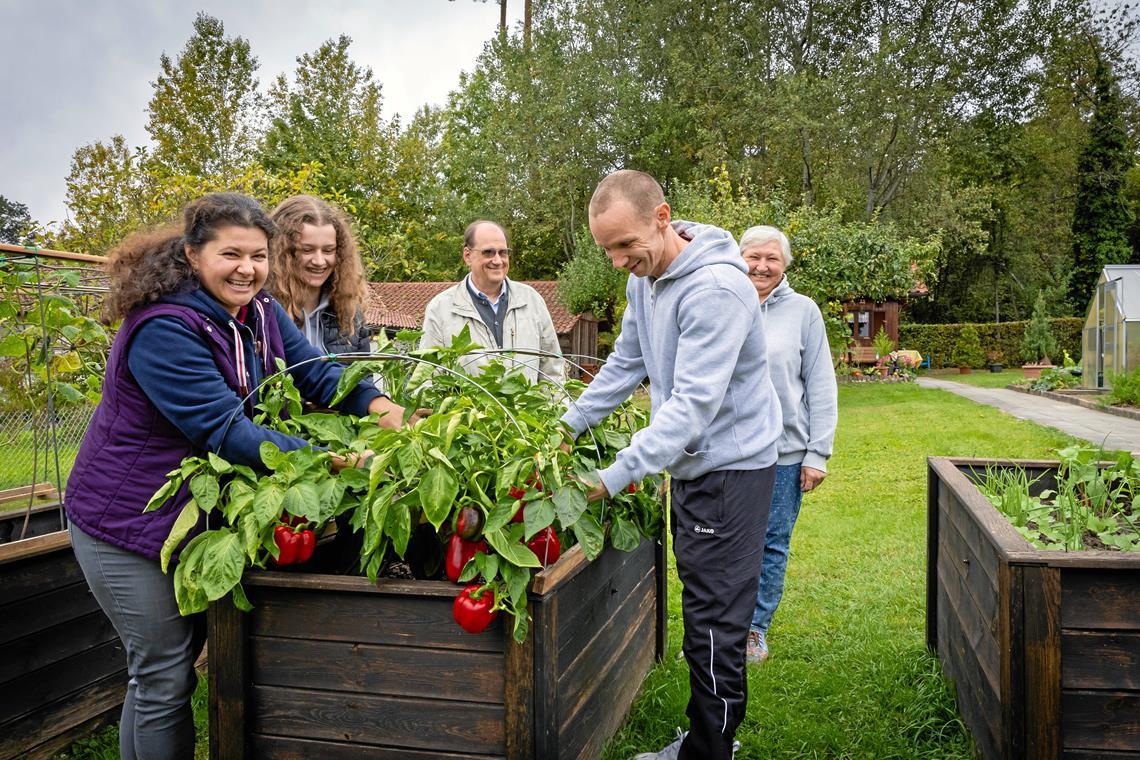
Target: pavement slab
[[1098, 428]]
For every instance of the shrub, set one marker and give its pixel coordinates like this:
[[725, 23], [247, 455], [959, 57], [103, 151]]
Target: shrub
[[1125, 388], [883, 343], [937, 341], [968, 348]]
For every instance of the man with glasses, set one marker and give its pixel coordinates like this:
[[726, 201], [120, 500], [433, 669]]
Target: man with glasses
[[500, 313]]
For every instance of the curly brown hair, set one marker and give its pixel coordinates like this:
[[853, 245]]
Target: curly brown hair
[[347, 290], [148, 265]]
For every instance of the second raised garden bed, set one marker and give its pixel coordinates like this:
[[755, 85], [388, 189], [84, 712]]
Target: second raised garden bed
[[1043, 646], [338, 667]]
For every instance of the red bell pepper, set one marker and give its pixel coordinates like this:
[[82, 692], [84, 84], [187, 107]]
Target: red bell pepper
[[293, 547], [459, 553], [546, 546], [474, 611], [516, 492], [632, 488]]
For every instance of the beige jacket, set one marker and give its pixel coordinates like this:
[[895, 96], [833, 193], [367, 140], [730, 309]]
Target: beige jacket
[[527, 325]]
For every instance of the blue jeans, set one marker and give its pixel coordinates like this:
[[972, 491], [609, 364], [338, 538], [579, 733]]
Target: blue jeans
[[786, 498], [157, 720]]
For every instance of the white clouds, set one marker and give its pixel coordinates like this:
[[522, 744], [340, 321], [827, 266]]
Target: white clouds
[[76, 71]]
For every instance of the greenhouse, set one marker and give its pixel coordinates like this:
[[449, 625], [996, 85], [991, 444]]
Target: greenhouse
[[1110, 342]]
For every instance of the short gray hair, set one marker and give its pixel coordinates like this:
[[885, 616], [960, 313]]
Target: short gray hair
[[761, 234]]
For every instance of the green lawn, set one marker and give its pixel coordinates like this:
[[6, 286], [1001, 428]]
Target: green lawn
[[849, 676], [984, 378]]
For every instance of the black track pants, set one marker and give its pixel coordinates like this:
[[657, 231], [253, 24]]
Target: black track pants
[[719, 522]]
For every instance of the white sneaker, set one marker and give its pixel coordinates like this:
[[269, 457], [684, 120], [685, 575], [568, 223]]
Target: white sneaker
[[670, 752]]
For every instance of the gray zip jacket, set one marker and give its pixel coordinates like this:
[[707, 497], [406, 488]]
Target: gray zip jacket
[[799, 360], [696, 333]]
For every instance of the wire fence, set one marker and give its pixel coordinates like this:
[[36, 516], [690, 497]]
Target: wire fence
[[30, 453]]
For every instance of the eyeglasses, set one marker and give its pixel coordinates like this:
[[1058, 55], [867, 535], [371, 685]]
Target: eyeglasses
[[490, 253]]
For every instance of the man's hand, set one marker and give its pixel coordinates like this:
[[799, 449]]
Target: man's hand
[[597, 488], [351, 460], [810, 478], [392, 414]]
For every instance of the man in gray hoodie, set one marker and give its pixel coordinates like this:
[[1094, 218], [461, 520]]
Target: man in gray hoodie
[[693, 326]]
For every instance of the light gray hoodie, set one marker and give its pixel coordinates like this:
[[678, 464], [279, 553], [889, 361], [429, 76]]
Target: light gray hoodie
[[799, 361], [696, 333]]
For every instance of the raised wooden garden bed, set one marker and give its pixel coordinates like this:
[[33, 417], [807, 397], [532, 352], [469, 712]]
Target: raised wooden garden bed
[[62, 669], [1043, 646], [337, 667]]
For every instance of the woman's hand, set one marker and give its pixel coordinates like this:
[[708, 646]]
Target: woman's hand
[[810, 478], [351, 460]]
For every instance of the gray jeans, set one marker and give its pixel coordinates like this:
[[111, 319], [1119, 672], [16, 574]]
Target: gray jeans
[[161, 646]]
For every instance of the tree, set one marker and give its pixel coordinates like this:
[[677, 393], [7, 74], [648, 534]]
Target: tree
[[204, 114], [1101, 218], [14, 221], [1038, 343], [109, 194], [968, 348], [331, 114]]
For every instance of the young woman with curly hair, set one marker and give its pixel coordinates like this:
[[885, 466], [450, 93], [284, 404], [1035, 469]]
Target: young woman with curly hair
[[198, 337], [317, 275]]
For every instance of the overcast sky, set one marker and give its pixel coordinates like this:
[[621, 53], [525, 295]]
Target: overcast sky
[[77, 71]]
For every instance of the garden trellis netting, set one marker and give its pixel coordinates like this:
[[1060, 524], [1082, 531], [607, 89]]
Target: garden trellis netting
[[52, 357]]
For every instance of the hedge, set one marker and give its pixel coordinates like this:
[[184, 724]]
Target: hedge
[[938, 341]]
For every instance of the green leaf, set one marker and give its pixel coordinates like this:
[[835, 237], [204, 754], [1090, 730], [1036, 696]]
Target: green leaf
[[167, 490], [329, 429], [185, 523], [270, 454], [437, 491], [217, 464], [223, 562], [241, 601], [13, 346], [517, 580], [239, 498], [353, 374], [410, 458], [398, 526], [538, 515], [501, 514], [205, 489], [569, 503], [589, 535], [624, 535], [512, 551], [354, 478], [302, 500], [267, 502]]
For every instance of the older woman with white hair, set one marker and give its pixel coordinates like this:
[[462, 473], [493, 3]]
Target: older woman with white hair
[[799, 361]]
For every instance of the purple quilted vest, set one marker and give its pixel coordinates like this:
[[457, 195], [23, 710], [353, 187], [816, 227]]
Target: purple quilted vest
[[130, 446]]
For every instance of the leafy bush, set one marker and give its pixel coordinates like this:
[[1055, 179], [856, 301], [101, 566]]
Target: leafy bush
[[1058, 378], [968, 348], [1125, 389], [589, 282], [1038, 343], [937, 341]]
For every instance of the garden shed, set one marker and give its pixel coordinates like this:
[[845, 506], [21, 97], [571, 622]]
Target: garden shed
[[1110, 340]]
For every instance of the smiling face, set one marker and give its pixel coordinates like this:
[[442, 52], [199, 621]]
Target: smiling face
[[766, 266], [487, 273], [316, 254], [233, 266], [632, 241]]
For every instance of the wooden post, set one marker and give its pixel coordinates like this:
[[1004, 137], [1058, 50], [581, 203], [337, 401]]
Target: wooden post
[[227, 681], [1042, 651], [931, 558], [518, 696]]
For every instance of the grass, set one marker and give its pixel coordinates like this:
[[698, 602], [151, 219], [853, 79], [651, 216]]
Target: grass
[[850, 677], [983, 378]]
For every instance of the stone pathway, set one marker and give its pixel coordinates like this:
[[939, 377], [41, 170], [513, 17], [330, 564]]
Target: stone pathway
[[1099, 428]]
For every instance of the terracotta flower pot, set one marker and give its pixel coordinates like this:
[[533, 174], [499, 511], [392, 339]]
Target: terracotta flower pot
[[963, 370]]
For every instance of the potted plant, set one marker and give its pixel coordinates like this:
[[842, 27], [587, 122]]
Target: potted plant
[[995, 360], [1038, 342], [967, 352], [883, 344]]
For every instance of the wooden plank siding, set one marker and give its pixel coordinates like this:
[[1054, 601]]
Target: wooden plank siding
[[338, 667], [63, 670], [1061, 630]]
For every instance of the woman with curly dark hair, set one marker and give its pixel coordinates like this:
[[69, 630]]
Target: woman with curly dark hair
[[198, 337], [317, 274]]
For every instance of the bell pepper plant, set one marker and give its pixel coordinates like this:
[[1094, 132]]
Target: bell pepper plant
[[486, 468]]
